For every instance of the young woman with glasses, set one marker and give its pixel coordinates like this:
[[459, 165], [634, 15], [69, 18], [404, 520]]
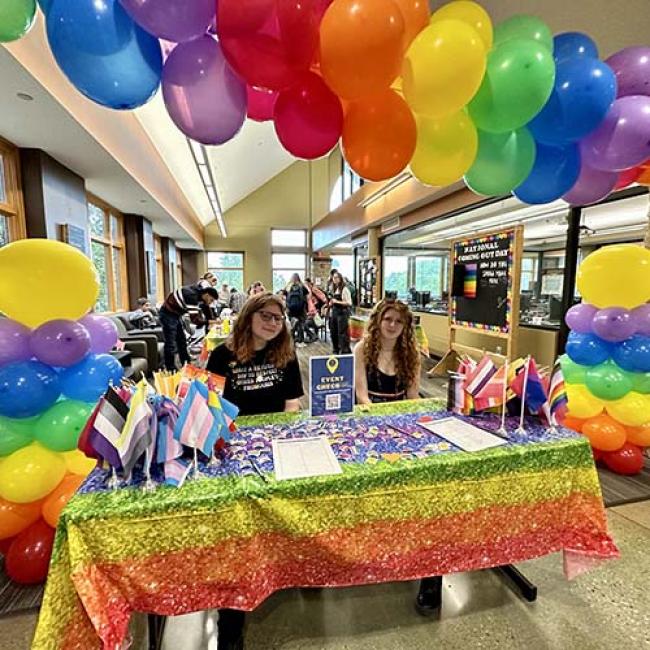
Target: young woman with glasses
[[258, 360]]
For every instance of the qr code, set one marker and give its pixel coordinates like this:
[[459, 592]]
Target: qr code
[[332, 402]]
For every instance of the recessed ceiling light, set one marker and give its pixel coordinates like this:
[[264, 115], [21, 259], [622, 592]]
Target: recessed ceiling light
[[25, 97]]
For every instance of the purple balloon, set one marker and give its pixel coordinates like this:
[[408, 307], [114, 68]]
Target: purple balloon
[[103, 333], [14, 341], [614, 324], [579, 317], [641, 317], [60, 343], [623, 139], [204, 97], [632, 69], [593, 185], [173, 20]]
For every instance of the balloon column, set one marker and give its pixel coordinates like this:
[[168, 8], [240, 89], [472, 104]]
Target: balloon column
[[509, 108], [53, 368], [607, 360]]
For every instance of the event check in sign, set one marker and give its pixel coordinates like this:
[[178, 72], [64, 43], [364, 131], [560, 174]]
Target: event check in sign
[[331, 384]]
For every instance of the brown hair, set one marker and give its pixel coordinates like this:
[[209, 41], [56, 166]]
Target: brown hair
[[279, 351], [406, 354]]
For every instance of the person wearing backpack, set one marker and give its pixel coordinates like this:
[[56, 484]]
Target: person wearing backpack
[[297, 294]]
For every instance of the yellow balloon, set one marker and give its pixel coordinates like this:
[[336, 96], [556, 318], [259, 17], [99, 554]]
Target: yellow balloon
[[471, 13], [30, 474], [616, 276], [43, 279], [632, 410], [445, 149], [78, 463], [582, 404], [443, 68]]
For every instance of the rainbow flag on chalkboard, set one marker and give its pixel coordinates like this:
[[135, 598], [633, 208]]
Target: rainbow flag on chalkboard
[[469, 285]]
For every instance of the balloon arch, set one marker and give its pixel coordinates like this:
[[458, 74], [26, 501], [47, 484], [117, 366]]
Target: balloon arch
[[510, 109]]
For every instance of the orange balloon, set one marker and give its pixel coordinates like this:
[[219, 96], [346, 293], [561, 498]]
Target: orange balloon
[[639, 435], [59, 497], [15, 517], [644, 177], [361, 46], [416, 17], [604, 433], [573, 423], [379, 135]]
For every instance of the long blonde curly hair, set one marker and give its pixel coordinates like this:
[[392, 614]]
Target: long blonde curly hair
[[406, 354]]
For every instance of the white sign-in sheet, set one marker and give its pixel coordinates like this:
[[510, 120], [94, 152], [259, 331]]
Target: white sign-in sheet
[[303, 458], [462, 434]]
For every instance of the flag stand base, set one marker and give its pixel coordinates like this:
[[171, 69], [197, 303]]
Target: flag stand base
[[523, 585]]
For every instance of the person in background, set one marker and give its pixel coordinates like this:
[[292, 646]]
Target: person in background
[[297, 294], [387, 369], [262, 376], [209, 279], [224, 294], [317, 295], [186, 300], [143, 316], [340, 305], [237, 300], [255, 289], [328, 288], [282, 294]]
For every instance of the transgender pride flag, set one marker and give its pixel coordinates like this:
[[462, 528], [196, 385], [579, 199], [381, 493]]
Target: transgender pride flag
[[176, 471], [196, 426]]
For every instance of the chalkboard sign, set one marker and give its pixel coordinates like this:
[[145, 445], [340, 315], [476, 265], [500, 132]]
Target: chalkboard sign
[[482, 282]]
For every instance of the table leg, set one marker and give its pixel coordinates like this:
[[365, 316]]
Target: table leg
[[525, 587], [156, 630]]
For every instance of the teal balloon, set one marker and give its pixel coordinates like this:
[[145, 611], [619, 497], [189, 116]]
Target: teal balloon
[[15, 434], [607, 381], [518, 82], [503, 162], [525, 27], [16, 19], [573, 372], [60, 426]]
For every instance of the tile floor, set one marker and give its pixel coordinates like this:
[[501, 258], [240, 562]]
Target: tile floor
[[605, 609]]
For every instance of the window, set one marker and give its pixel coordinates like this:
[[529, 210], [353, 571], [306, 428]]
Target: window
[[431, 275], [228, 267], [285, 265], [288, 238], [345, 265], [528, 272], [12, 213], [396, 274], [108, 255]]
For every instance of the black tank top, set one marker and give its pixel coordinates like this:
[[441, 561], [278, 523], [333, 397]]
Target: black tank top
[[383, 387]]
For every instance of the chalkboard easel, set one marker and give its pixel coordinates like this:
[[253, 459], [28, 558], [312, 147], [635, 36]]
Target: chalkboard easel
[[485, 275]]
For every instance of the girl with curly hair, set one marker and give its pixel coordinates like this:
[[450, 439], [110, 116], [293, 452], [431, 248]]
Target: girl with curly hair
[[387, 359]]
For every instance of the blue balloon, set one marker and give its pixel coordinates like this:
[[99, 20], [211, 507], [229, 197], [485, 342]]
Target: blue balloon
[[27, 388], [89, 379], [45, 5], [573, 45], [587, 349], [103, 52], [584, 91], [554, 173], [633, 354]]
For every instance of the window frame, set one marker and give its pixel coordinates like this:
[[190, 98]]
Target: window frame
[[108, 241], [303, 270], [219, 270]]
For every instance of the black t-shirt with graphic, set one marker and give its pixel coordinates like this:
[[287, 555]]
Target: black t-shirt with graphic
[[257, 386]]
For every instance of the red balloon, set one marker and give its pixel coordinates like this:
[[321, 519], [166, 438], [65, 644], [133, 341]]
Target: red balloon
[[28, 558], [5, 544], [261, 103], [270, 43], [627, 177], [308, 118], [627, 460]]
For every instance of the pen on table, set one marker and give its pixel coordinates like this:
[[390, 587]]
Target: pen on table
[[258, 471]]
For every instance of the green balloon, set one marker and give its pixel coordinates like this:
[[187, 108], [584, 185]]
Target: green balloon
[[60, 426], [518, 82], [573, 372], [503, 162], [608, 381], [527, 27], [16, 18], [640, 382], [15, 434]]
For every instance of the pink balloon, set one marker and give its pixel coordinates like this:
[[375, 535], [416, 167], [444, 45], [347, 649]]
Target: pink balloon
[[593, 185], [261, 103], [308, 118], [204, 97]]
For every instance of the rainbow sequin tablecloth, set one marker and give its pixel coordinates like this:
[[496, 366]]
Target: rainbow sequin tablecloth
[[407, 505]]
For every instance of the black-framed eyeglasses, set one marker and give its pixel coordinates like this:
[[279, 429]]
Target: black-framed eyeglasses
[[268, 316]]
